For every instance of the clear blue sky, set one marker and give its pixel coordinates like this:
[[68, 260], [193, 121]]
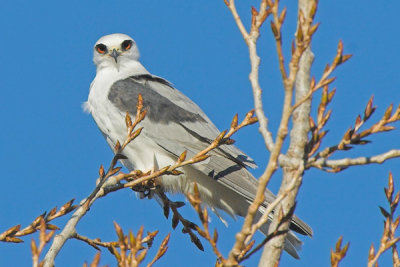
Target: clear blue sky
[[50, 149]]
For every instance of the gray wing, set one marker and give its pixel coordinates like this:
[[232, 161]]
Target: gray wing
[[166, 105], [192, 131]]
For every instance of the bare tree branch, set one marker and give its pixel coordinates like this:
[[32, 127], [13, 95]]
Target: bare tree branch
[[265, 217], [390, 226], [341, 164], [251, 40], [300, 72], [69, 230], [44, 238], [352, 136], [12, 234], [212, 239]]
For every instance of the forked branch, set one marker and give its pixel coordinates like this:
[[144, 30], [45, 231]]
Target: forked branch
[[339, 253]]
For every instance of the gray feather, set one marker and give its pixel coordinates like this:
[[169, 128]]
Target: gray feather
[[159, 108]]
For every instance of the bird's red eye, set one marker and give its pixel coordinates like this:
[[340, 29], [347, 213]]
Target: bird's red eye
[[126, 45], [101, 49]]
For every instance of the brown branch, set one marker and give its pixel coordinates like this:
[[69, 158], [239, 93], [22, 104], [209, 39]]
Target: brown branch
[[353, 137], [325, 80], [339, 253], [391, 224], [231, 5], [258, 19], [341, 164], [161, 250], [195, 201], [118, 149], [95, 243], [44, 238], [323, 116], [70, 228], [131, 250], [12, 234]]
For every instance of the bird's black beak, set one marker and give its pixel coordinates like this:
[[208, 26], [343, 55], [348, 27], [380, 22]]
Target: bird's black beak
[[115, 55]]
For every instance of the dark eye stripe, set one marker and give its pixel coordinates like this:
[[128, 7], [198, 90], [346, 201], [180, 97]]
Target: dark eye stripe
[[101, 48], [126, 45]]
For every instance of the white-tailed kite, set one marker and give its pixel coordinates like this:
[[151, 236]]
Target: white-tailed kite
[[173, 124]]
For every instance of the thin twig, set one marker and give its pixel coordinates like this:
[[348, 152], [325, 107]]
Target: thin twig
[[241, 27], [195, 201], [353, 137], [12, 234], [251, 39], [44, 238], [341, 164], [339, 253], [390, 226], [161, 250], [188, 226], [70, 228]]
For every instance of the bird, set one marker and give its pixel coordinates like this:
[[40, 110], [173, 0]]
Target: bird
[[173, 124]]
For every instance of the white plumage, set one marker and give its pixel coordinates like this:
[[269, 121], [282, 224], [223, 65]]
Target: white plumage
[[173, 124]]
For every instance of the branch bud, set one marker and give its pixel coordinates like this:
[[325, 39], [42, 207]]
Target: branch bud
[[282, 16], [128, 120], [313, 29], [274, 30], [101, 171], [182, 157], [139, 105]]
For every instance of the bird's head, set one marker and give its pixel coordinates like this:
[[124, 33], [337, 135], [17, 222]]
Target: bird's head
[[115, 50]]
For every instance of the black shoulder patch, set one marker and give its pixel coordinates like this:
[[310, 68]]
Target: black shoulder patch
[[124, 93]]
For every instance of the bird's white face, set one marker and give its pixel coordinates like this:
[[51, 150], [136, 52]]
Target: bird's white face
[[115, 50]]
